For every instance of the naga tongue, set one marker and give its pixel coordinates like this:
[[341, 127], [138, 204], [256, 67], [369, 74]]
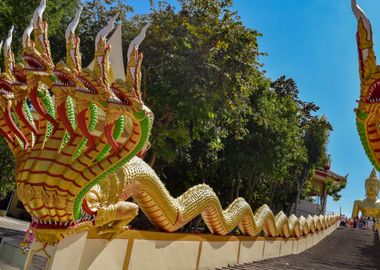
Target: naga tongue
[[108, 129], [12, 125], [21, 115], [37, 105], [83, 127], [61, 111]]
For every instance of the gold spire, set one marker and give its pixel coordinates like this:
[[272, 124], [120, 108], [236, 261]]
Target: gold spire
[[373, 174]]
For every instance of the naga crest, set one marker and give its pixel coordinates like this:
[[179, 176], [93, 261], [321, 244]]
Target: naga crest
[[367, 112], [61, 122]]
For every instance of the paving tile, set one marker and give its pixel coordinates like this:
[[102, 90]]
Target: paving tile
[[345, 248]]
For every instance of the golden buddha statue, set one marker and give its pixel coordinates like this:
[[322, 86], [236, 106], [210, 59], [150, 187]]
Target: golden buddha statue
[[370, 206]]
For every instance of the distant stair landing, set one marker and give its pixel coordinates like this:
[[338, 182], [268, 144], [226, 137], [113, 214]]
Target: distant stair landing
[[345, 248]]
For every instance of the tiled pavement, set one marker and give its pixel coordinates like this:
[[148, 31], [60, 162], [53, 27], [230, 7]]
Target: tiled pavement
[[343, 249]]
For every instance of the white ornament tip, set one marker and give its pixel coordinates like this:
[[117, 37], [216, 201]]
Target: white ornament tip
[[137, 41], [359, 14], [74, 23], [8, 41], [39, 12], [27, 33], [106, 30]]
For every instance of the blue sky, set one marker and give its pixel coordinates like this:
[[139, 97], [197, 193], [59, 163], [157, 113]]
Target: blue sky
[[313, 42]]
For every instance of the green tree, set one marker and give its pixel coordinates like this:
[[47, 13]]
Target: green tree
[[333, 190], [266, 156], [200, 72], [7, 178]]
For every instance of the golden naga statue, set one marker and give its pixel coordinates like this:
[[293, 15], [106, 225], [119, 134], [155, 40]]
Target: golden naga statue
[[77, 157], [370, 206], [367, 112], [367, 117]]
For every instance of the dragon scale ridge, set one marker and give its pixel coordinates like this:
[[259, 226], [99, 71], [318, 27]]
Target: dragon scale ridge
[[78, 150], [139, 181]]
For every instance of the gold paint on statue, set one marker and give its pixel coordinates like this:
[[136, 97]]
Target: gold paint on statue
[[139, 181], [370, 206]]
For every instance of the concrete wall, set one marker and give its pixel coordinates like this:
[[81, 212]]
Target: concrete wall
[[306, 208], [134, 250]]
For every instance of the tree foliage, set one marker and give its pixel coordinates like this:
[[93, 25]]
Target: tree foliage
[[7, 178]]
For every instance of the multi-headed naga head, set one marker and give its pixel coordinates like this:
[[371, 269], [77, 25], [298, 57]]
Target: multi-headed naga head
[[93, 85], [367, 112], [17, 75], [6, 94], [37, 55], [8, 54], [65, 80], [73, 56], [128, 93], [15, 72], [90, 88], [38, 62], [369, 71], [124, 98], [9, 62], [6, 99], [7, 91]]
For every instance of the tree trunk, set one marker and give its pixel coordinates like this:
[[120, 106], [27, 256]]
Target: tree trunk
[[324, 201], [145, 82], [153, 160], [231, 196], [251, 185], [238, 185], [272, 196], [297, 198], [299, 188]]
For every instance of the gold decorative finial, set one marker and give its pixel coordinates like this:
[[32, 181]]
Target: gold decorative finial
[[373, 174]]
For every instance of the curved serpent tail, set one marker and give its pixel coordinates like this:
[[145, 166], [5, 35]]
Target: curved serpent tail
[[144, 125], [169, 214]]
